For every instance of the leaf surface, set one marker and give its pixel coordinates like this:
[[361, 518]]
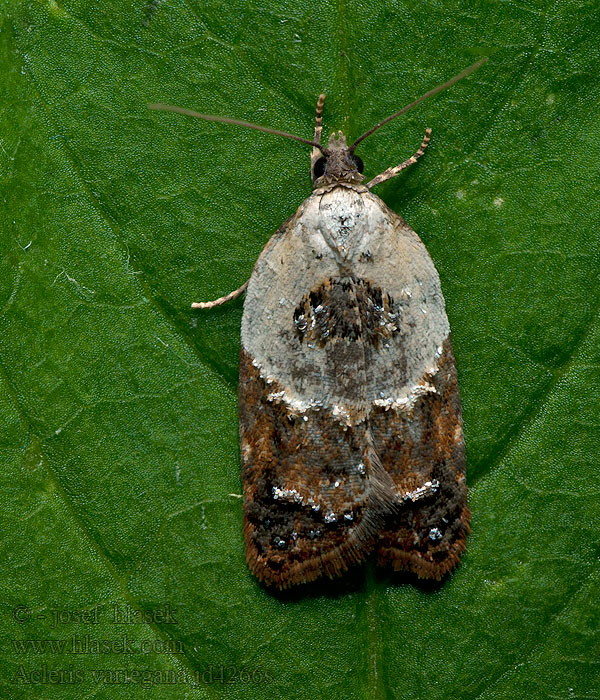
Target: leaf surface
[[118, 406]]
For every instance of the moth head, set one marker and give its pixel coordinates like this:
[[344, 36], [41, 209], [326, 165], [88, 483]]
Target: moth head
[[337, 164]]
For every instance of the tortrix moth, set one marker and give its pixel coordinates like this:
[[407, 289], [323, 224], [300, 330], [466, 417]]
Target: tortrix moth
[[350, 416]]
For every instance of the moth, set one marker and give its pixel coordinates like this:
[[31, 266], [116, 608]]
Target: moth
[[350, 415]]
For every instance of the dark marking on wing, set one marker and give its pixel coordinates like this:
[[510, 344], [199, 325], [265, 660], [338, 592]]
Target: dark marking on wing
[[328, 312]]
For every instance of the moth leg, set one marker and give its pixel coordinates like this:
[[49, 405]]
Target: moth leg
[[221, 300], [316, 153], [392, 172]]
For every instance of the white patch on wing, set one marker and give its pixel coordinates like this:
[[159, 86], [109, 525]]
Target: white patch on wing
[[305, 255], [406, 402]]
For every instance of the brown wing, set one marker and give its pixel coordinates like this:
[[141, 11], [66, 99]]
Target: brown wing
[[424, 453], [315, 493], [310, 496]]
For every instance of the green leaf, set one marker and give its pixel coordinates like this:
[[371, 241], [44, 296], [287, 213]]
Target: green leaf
[[118, 406]]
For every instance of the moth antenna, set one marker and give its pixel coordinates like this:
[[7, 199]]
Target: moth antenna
[[435, 91], [238, 122]]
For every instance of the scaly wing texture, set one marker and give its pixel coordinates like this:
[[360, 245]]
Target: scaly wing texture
[[307, 497], [349, 411], [423, 449], [415, 411], [310, 504]]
